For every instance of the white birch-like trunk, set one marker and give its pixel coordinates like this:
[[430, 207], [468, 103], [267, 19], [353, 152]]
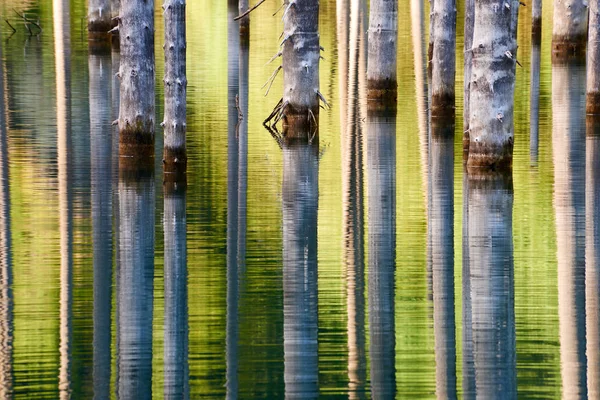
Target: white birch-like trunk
[[300, 194], [491, 128], [175, 121], [301, 53], [593, 60], [468, 54], [569, 32], [443, 57], [136, 113], [382, 50]]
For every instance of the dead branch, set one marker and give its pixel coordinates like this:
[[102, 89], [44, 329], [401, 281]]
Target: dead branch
[[273, 58], [11, 27], [254, 7], [279, 9], [27, 20], [271, 79], [322, 98], [274, 112]]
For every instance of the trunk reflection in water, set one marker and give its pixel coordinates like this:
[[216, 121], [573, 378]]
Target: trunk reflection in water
[[135, 282], [568, 148], [381, 192], [300, 193], [491, 281]]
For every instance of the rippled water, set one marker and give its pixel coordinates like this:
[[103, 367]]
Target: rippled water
[[366, 264]]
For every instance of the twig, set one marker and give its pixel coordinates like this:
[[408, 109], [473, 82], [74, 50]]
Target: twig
[[254, 7], [11, 27], [273, 58], [271, 79], [322, 98], [279, 9]]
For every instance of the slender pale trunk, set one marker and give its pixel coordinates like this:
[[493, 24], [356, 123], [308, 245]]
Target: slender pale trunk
[[569, 33], [135, 284], [381, 192], [300, 294], [534, 101], [136, 113], [592, 257], [62, 51], [443, 57], [301, 53], [468, 54], [176, 301], [99, 21], [382, 42], [492, 285], [441, 243], [593, 60], [175, 121], [492, 87], [101, 157], [568, 148], [536, 20]]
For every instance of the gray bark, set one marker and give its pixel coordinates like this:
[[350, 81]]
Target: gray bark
[[536, 19], [176, 384], [381, 192], [569, 32], [468, 364], [300, 295], [443, 57], [491, 128], [468, 54], [441, 243], [568, 148], [243, 6], [592, 259], [593, 60], [175, 121], [135, 284], [99, 16], [382, 50], [136, 113], [101, 157], [534, 101], [115, 9], [301, 54], [491, 259]]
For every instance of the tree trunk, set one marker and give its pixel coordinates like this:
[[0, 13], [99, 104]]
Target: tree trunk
[[136, 113], [568, 148], [441, 242], [99, 17], [443, 57], [115, 10], [244, 22], [491, 129], [175, 122], [534, 101], [382, 51], [135, 284], [176, 384], [468, 54], [536, 20], [301, 54], [593, 60], [491, 259], [101, 181], [569, 33], [468, 363], [381, 192], [300, 293]]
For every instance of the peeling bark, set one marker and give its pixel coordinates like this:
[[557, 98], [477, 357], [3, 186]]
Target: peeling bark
[[175, 81], [443, 57], [382, 51], [569, 33], [593, 60], [492, 85], [137, 74]]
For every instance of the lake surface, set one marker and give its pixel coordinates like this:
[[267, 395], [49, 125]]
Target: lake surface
[[365, 264]]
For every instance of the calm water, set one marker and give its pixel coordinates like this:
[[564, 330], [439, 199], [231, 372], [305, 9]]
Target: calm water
[[363, 265]]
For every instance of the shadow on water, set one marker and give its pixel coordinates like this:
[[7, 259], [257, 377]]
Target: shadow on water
[[381, 215], [492, 345], [300, 195], [135, 282], [569, 156]]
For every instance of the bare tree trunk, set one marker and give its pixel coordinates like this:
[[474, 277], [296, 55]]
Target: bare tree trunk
[[244, 22], [102, 237], [441, 243], [382, 42], [115, 10], [99, 20], [468, 54], [443, 57], [593, 60], [468, 364], [492, 285], [534, 101], [175, 121], [536, 20], [491, 129], [176, 301], [381, 192], [301, 53], [136, 113], [300, 271], [569, 33], [568, 148]]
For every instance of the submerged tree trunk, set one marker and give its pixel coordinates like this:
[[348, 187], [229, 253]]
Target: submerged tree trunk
[[301, 52], [175, 122], [536, 20], [468, 54], [99, 22], [136, 113], [569, 33], [593, 60], [443, 57], [492, 85], [382, 51]]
